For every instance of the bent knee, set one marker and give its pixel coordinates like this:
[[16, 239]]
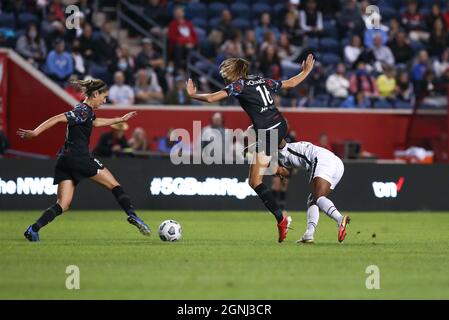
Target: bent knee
[[64, 206], [253, 183]]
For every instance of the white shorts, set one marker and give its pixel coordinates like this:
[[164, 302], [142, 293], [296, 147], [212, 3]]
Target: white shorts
[[329, 167]]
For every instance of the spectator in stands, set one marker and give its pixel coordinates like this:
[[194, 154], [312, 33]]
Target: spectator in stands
[[232, 48], [124, 62], [4, 142], [249, 44], [225, 26], [178, 95], [439, 38], [149, 58], [428, 92], [446, 15], [269, 39], [361, 80], [270, 64], [353, 50], [350, 20], [87, 44], [359, 100], [420, 67], [323, 141], [337, 84], [382, 53], [31, 46], [443, 84], [435, 14], [288, 53], [147, 89], [386, 83], [441, 65], [311, 20], [316, 82], [112, 143], [78, 59], [264, 27], [59, 64], [169, 141], [121, 93], [402, 51], [215, 132], [181, 38], [290, 26], [157, 12], [138, 141], [414, 23], [105, 46], [395, 28], [404, 88]]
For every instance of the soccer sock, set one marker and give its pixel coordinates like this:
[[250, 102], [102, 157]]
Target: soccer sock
[[275, 195], [313, 215], [282, 199], [268, 200], [47, 217], [329, 209], [124, 200]]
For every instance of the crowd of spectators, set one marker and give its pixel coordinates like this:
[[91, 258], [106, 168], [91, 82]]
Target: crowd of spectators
[[390, 58]]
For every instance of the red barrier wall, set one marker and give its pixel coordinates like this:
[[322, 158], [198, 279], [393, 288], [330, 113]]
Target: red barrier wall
[[31, 102]]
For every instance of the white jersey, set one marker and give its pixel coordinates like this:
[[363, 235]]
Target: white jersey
[[319, 161], [299, 155]]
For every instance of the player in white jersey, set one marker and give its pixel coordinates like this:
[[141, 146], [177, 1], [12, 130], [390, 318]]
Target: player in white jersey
[[326, 170]]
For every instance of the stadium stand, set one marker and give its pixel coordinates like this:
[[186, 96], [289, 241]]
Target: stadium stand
[[415, 31]]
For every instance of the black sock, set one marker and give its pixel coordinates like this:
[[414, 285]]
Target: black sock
[[267, 197], [282, 200], [47, 217], [275, 195], [123, 200]]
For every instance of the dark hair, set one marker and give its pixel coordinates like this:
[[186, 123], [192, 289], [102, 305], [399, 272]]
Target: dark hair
[[90, 86]]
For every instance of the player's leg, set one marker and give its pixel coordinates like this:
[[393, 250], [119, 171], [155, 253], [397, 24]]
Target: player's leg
[[105, 178], [283, 193], [256, 172], [66, 188], [276, 185], [320, 191], [313, 216]]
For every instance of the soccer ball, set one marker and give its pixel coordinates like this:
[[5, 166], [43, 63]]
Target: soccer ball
[[170, 230]]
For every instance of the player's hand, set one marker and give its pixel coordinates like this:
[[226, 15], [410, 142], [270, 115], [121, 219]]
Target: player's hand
[[129, 115], [190, 87], [282, 172], [307, 65], [26, 134]]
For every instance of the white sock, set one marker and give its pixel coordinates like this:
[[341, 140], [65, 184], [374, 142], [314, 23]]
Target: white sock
[[313, 215], [329, 209]]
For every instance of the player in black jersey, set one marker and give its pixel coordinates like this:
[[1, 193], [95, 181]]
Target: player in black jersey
[[74, 161], [254, 96]]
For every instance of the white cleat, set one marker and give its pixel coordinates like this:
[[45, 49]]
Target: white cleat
[[306, 239]]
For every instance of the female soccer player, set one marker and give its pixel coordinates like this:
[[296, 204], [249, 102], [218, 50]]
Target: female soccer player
[[74, 161], [326, 170], [254, 96]]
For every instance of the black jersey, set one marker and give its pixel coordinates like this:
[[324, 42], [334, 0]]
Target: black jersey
[[254, 95], [79, 129]]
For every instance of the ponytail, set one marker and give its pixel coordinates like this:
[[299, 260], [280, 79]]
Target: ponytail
[[90, 86]]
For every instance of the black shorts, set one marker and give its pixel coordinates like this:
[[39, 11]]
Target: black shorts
[[76, 168], [264, 143]]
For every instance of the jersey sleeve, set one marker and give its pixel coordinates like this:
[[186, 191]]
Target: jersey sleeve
[[235, 88], [78, 115], [273, 85]]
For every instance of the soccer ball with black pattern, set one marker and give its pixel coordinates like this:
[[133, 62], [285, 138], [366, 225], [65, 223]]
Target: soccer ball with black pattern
[[170, 230]]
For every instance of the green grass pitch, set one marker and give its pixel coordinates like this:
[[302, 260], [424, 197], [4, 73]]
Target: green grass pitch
[[225, 255]]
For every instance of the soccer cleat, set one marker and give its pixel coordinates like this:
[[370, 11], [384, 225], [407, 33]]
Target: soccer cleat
[[31, 235], [342, 229], [306, 238], [283, 227], [142, 226]]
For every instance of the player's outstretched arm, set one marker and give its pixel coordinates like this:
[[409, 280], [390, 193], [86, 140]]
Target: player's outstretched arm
[[103, 122], [307, 67], [30, 134], [206, 97]]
